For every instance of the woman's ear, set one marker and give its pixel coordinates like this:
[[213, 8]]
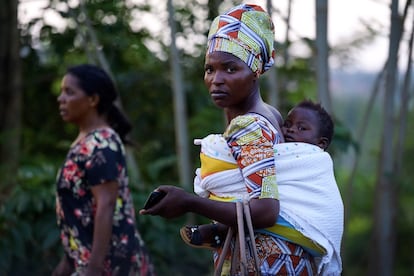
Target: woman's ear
[[323, 143], [94, 100]]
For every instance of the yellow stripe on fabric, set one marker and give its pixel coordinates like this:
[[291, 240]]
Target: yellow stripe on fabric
[[225, 199], [296, 237], [212, 165]]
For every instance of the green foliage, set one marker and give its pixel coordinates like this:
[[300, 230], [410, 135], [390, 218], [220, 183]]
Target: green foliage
[[342, 140], [28, 225], [405, 211]]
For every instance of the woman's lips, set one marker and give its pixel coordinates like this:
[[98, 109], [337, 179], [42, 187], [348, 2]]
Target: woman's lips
[[218, 94], [62, 112]]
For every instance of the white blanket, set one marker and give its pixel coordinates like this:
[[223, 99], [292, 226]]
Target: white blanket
[[310, 199], [223, 184], [308, 194]]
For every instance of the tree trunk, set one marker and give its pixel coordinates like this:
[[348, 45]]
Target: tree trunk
[[180, 111], [360, 137], [383, 247], [286, 56], [10, 97], [271, 75], [281, 79], [322, 54], [213, 7], [405, 99]]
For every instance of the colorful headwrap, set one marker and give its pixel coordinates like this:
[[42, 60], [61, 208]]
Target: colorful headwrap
[[247, 32]]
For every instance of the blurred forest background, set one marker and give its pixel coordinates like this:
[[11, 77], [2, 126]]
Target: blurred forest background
[[160, 80]]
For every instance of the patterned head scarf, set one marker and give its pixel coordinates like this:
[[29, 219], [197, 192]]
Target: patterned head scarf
[[247, 32]]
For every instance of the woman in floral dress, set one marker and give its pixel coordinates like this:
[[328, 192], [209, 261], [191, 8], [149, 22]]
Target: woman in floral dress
[[94, 207]]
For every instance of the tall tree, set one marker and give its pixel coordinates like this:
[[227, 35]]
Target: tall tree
[[10, 97], [384, 239], [360, 137], [271, 76], [213, 7], [363, 127], [322, 54], [180, 112], [405, 100]]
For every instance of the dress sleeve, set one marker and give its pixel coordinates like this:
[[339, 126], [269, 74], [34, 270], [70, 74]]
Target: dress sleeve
[[105, 162], [251, 141]]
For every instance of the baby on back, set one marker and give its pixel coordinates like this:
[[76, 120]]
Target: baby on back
[[219, 175]]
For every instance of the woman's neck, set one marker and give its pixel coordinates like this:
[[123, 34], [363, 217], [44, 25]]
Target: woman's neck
[[252, 104], [90, 125]]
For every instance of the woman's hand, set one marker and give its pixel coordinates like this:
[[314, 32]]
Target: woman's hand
[[172, 205]]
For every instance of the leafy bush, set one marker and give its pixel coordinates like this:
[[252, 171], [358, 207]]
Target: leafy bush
[[28, 229]]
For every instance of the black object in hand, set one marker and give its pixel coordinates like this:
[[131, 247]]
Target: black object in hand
[[154, 198]]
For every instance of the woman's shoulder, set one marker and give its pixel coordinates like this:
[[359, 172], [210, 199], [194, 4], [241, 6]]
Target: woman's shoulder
[[101, 138], [252, 119], [275, 117], [252, 125], [104, 133], [101, 135]]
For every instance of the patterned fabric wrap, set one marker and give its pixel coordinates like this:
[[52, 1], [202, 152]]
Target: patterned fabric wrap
[[251, 138], [277, 257], [247, 32]]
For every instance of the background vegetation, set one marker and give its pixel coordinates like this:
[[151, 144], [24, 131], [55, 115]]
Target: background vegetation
[[104, 33]]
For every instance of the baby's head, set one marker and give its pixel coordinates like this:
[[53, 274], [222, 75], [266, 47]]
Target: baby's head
[[309, 122]]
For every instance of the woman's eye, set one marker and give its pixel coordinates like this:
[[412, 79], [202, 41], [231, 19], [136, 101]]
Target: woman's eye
[[231, 70]]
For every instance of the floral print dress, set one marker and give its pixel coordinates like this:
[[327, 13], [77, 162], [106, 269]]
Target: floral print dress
[[96, 159]]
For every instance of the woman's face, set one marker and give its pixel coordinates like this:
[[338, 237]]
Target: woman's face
[[75, 106], [229, 80], [302, 125]]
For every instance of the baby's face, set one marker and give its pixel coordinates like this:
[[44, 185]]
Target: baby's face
[[301, 125]]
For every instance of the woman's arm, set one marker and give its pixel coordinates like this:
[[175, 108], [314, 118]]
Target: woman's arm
[[178, 202], [251, 139], [64, 268], [105, 195], [263, 212]]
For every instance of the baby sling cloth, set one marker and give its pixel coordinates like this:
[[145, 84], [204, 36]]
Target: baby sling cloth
[[308, 193]]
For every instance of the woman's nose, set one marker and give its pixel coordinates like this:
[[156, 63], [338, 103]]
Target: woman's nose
[[60, 97], [217, 77]]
